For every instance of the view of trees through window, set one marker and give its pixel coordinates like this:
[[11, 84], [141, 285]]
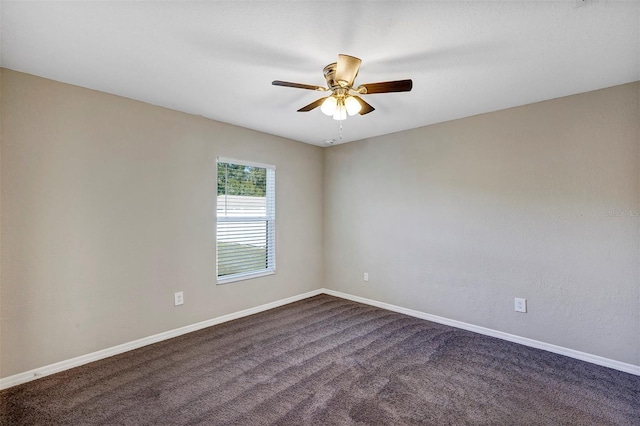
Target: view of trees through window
[[237, 179]]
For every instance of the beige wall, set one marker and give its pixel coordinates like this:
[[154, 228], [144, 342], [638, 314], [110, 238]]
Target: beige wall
[[457, 219], [108, 208]]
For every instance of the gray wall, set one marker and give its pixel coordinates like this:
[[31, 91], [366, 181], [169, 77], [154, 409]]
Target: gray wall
[[457, 219], [108, 208]]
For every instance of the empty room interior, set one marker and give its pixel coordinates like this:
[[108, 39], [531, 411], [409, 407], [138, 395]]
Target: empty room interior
[[321, 213]]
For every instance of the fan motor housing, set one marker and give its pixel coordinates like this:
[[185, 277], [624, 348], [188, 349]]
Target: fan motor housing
[[330, 75]]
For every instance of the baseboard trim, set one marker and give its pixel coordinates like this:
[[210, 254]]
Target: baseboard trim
[[57, 367], [583, 356]]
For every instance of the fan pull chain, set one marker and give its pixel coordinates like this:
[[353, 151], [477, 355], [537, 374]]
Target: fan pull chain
[[340, 129]]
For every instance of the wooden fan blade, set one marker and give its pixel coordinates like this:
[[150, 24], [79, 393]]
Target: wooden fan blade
[[366, 108], [312, 105], [297, 85], [347, 69], [386, 87]]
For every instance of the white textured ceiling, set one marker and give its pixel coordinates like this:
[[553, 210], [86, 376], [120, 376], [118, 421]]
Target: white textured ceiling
[[217, 59]]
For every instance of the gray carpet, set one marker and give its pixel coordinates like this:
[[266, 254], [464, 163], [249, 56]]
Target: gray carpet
[[328, 361]]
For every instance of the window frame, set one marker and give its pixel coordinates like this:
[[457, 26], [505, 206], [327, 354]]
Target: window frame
[[269, 218]]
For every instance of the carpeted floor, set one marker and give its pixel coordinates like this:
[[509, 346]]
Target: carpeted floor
[[328, 361]]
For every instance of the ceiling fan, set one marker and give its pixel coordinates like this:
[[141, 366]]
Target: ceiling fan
[[344, 98]]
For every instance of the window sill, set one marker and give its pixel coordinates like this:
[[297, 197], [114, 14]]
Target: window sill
[[241, 277]]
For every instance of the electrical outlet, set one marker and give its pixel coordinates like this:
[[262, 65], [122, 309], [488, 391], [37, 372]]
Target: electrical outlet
[[521, 305], [366, 276], [178, 298]]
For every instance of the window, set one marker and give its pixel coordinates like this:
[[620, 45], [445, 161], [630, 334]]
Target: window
[[246, 220]]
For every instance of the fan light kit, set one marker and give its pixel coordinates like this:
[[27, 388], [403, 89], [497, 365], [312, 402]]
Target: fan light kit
[[344, 99]]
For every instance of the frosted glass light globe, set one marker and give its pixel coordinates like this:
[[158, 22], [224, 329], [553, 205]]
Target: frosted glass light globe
[[352, 105], [328, 107], [341, 112]]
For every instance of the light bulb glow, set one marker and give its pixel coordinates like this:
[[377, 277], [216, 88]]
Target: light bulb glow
[[328, 107], [352, 105], [341, 112]]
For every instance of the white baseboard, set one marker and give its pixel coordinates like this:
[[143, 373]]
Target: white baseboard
[[36, 373], [583, 356]]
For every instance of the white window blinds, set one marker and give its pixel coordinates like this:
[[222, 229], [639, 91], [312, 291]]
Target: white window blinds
[[245, 220]]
